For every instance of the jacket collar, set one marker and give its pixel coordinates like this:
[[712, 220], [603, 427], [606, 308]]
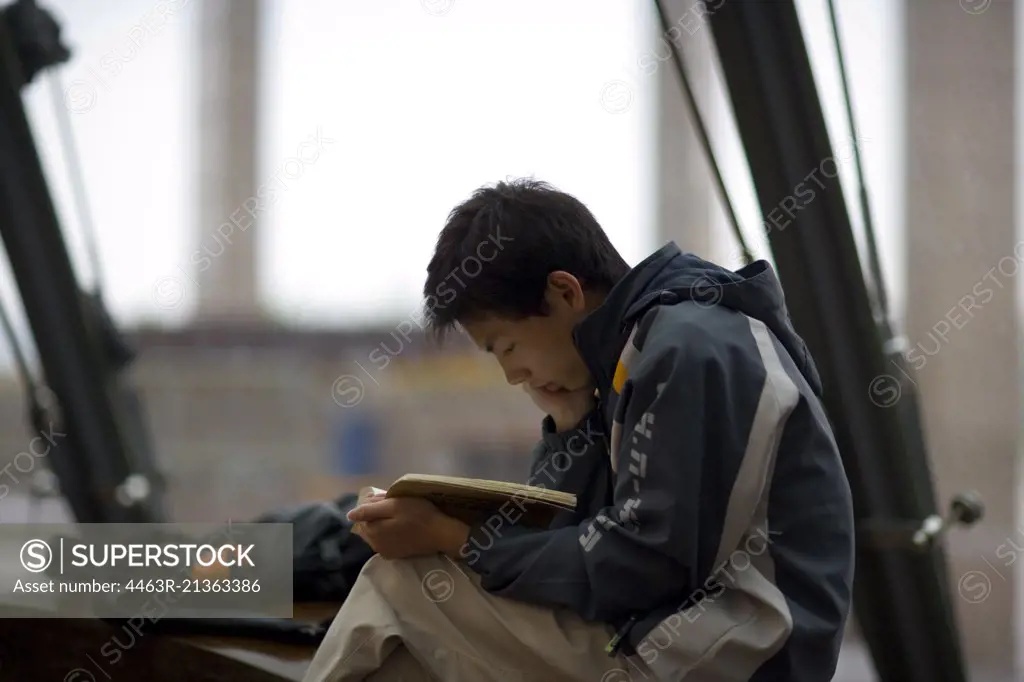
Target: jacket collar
[[601, 335]]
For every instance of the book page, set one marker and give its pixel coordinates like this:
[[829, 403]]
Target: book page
[[367, 492], [471, 488], [472, 500]]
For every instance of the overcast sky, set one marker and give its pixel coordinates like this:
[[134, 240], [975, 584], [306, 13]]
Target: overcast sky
[[425, 101]]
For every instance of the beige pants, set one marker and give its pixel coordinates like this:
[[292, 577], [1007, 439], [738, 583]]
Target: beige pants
[[428, 619]]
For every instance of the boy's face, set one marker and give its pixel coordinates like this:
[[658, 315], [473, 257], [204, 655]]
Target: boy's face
[[539, 351]]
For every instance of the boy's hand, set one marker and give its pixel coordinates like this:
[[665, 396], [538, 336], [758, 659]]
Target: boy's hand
[[403, 527], [567, 409]]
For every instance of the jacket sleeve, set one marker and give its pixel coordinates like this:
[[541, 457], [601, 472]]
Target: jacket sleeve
[[640, 552], [573, 461]]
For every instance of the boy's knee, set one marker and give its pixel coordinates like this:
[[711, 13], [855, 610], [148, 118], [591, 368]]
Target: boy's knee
[[418, 577], [385, 574]]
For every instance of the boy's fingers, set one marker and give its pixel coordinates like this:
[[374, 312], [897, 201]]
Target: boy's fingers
[[373, 510], [374, 497]]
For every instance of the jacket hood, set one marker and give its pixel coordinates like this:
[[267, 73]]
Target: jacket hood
[[670, 276]]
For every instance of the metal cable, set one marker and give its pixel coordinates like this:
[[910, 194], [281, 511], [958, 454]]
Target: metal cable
[[872, 246], [702, 135], [75, 177]]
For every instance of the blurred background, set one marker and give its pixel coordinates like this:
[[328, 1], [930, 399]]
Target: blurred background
[[265, 180]]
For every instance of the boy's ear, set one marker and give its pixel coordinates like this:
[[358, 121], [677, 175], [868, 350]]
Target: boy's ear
[[566, 291]]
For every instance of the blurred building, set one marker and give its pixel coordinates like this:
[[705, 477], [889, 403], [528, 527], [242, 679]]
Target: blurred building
[[250, 415], [249, 418]]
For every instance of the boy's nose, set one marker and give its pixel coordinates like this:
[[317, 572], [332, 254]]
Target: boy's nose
[[516, 376]]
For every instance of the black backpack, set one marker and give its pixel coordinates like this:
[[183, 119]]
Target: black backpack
[[327, 559], [327, 556]]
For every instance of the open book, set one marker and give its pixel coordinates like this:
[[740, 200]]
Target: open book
[[472, 500]]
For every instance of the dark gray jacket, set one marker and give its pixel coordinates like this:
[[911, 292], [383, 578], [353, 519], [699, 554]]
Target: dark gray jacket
[[715, 522]]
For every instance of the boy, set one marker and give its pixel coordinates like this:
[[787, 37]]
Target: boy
[[713, 539]]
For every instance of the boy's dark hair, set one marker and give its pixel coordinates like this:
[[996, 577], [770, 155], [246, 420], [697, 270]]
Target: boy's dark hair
[[498, 247]]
